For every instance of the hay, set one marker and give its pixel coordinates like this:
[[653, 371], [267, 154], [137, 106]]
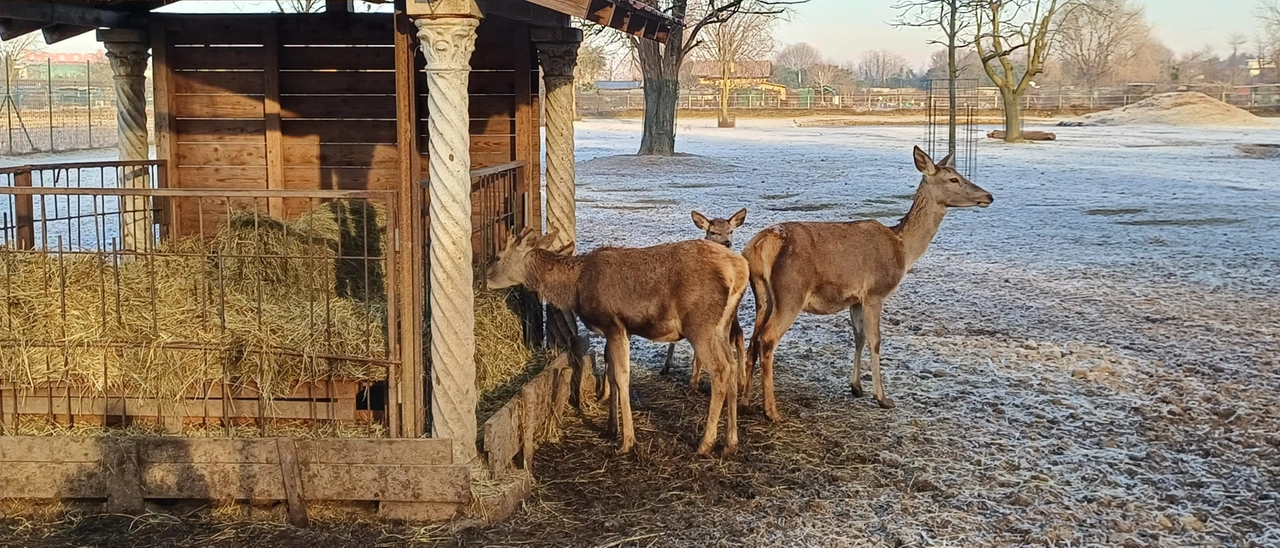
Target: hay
[[262, 299]]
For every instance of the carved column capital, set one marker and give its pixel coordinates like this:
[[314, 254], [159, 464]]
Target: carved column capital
[[128, 59], [558, 59], [447, 42]]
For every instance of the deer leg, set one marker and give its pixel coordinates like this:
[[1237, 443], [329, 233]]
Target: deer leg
[[753, 351], [666, 367], [730, 381], [696, 375], [707, 350], [776, 326], [859, 341], [620, 364], [871, 319], [743, 380], [610, 390]]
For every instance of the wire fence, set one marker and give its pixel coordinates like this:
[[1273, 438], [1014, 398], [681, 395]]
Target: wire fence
[[595, 102], [54, 107]]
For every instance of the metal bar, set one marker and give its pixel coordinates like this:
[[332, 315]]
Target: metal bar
[[201, 193]]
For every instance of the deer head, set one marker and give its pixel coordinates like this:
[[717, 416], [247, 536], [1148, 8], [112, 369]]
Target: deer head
[[946, 185], [720, 230], [512, 267]]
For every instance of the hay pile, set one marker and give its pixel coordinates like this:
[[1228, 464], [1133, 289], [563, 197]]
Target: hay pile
[[269, 300], [1174, 109], [278, 303]]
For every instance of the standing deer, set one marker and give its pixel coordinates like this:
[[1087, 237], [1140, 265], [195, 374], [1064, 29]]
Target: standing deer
[[663, 293], [824, 268], [719, 231]]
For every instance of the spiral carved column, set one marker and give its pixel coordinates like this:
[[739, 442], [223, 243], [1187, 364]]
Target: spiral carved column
[[447, 43], [128, 59], [558, 60]]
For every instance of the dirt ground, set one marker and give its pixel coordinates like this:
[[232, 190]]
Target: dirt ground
[[1092, 361]]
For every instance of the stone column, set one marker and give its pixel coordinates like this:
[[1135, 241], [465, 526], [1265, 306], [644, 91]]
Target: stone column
[[128, 51], [558, 56], [447, 42]]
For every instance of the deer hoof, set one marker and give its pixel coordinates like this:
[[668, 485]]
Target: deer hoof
[[773, 415], [704, 450], [856, 390], [885, 402], [729, 451]]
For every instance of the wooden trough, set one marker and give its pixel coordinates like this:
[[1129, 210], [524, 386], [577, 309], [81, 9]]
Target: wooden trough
[[408, 478], [329, 400]]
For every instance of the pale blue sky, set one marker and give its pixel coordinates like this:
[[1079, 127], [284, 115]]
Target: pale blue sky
[[843, 29]]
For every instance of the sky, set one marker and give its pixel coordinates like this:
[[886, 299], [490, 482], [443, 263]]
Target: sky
[[843, 29]]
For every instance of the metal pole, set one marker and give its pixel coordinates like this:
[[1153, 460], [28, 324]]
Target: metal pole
[[88, 93], [8, 101], [48, 65]]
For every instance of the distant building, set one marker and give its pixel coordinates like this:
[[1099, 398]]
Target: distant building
[[618, 85], [742, 74], [61, 66]]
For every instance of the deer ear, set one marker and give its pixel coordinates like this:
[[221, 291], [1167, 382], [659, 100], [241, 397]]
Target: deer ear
[[949, 161], [923, 162], [700, 221], [546, 241], [738, 218]]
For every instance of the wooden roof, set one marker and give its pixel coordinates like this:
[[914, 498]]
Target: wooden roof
[[59, 20]]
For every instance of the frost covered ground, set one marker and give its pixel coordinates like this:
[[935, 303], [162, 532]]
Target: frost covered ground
[[1094, 359]]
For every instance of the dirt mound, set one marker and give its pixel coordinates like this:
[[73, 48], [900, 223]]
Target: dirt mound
[[1174, 109]]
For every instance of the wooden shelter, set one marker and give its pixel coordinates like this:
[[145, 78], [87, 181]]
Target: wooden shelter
[[435, 108]]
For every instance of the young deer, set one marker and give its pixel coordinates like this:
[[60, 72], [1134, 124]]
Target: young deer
[[824, 268], [719, 231], [663, 293]]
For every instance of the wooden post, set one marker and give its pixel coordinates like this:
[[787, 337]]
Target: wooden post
[[271, 113], [447, 33], [24, 211], [409, 394], [127, 49], [123, 480], [291, 473]]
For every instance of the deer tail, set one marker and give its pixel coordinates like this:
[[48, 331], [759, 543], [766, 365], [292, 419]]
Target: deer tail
[[761, 252]]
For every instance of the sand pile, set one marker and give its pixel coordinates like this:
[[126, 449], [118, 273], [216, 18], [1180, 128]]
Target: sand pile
[[1173, 109]]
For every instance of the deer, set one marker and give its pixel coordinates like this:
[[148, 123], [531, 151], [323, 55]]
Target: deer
[[664, 293], [719, 231], [827, 267]]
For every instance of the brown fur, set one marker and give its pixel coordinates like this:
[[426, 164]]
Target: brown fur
[[828, 267], [719, 231], [663, 293]]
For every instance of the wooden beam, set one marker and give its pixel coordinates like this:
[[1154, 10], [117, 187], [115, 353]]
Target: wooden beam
[[292, 476], [522, 11], [59, 32], [83, 16], [13, 28]]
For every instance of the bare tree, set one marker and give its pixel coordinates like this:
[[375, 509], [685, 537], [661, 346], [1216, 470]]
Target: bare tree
[[1100, 36], [660, 63], [1005, 28], [798, 58], [881, 65], [948, 16], [300, 6], [1268, 12], [13, 54], [745, 37], [591, 64]]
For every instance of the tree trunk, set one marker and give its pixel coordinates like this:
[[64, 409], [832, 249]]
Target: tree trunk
[[660, 97], [1012, 115]]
